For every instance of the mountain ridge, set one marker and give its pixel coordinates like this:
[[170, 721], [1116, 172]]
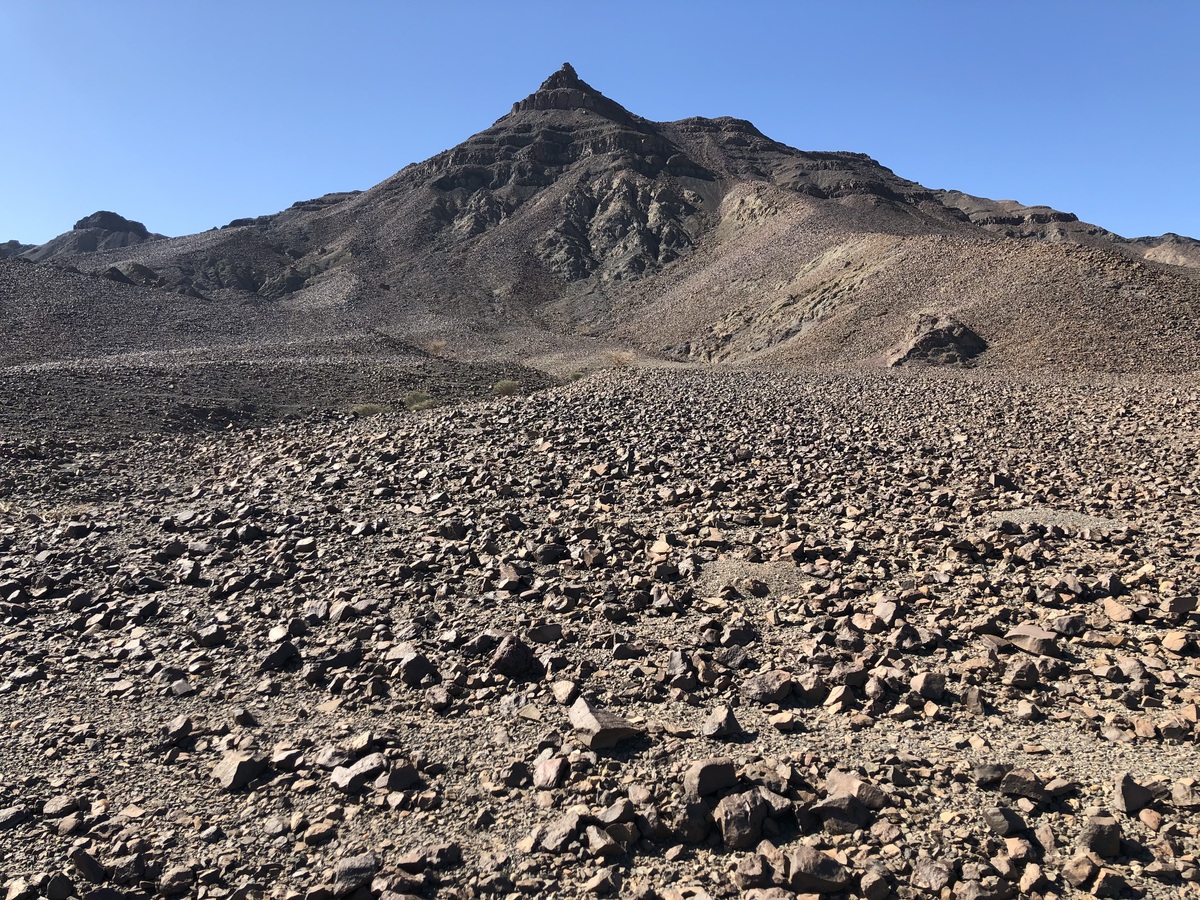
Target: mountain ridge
[[571, 220]]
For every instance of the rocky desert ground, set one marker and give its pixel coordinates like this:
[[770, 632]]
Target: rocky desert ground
[[781, 528], [657, 633]]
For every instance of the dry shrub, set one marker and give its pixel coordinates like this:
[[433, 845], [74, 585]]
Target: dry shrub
[[369, 410], [415, 401], [506, 387]]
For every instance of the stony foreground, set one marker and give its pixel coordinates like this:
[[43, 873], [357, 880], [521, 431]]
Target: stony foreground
[[654, 634]]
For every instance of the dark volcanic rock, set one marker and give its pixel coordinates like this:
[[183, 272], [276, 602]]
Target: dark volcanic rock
[[939, 341]]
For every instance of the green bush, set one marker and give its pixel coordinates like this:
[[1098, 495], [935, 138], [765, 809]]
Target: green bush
[[418, 400], [506, 387]]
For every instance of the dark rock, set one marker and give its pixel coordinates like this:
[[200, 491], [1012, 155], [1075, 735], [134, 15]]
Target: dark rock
[[354, 872], [1003, 821], [809, 870], [769, 687], [740, 818], [1102, 836], [516, 660], [708, 776]]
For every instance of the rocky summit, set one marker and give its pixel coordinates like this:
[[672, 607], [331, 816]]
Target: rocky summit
[[602, 507]]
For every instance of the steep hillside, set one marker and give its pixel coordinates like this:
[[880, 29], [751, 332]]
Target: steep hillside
[[572, 220]]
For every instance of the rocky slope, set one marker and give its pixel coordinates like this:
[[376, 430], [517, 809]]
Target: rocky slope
[[698, 240]]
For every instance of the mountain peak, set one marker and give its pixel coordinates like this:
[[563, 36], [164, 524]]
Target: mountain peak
[[110, 221], [565, 77], [565, 90]]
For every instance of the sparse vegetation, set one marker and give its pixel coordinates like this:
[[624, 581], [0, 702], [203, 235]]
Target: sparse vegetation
[[436, 347], [414, 401], [506, 387], [578, 375], [369, 410], [619, 359]]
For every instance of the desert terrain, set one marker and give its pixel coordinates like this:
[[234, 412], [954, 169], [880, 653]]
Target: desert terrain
[[602, 508]]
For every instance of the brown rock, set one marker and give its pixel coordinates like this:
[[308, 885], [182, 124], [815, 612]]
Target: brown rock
[[740, 818], [708, 776], [237, 769], [769, 687], [599, 728], [1130, 797], [1032, 638], [811, 870], [931, 875]]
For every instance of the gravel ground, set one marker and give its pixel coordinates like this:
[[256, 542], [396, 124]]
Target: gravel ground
[[655, 633]]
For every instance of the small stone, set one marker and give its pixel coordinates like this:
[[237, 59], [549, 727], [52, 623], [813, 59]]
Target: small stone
[[1110, 883], [721, 723], [1185, 793], [740, 818], [280, 657], [1024, 783], [930, 685], [1129, 796], [515, 660], [560, 834], [550, 773], [353, 872], [708, 776], [351, 779], [565, 691], [1101, 835], [601, 844], [811, 870], [931, 875], [1079, 871], [784, 722], [1003, 821], [88, 866], [237, 769], [599, 728], [1032, 638], [769, 687], [176, 880]]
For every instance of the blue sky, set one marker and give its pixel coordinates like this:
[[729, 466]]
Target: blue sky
[[187, 114]]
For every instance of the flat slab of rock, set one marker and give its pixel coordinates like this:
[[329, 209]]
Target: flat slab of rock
[[599, 728], [1033, 638]]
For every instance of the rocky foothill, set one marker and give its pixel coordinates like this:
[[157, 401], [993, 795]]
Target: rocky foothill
[[656, 633]]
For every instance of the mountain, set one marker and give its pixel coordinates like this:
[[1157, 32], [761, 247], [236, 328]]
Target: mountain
[[10, 249], [572, 225], [101, 230]]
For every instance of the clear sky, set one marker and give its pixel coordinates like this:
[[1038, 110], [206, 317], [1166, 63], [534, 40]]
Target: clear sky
[[186, 114]]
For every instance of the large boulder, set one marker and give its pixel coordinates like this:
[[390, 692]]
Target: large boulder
[[938, 341]]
